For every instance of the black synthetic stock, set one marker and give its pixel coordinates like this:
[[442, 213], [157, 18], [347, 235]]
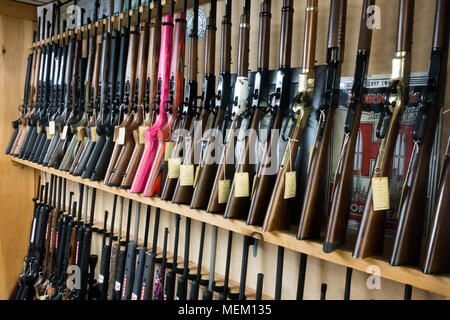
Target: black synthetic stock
[[12, 140], [99, 172], [95, 154], [323, 291], [128, 277], [348, 283]]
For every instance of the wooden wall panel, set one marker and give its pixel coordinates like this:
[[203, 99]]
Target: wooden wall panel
[[16, 184]]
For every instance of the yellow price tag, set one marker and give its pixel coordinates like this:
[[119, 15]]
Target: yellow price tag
[[80, 133], [241, 185], [168, 151], [94, 135], [142, 130], [186, 175], [380, 193], [290, 184], [121, 136], [224, 190], [174, 168]]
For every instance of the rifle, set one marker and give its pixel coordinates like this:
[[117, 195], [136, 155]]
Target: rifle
[[371, 230], [169, 288], [186, 112], [124, 137], [341, 194], [25, 133], [151, 183], [103, 278], [150, 260], [208, 294], [280, 207], [437, 258], [248, 241], [24, 107], [184, 189], [99, 286], [238, 204], [226, 167], [116, 96], [158, 293], [208, 167], [130, 262], [98, 134], [313, 202], [116, 255], [86, 250], [323, 291], [73, 113], [182, 284], [143, 98], [279, 273], [79, 167], [225, 290], [135, 148], [195, 285], [122, 246], [76, 144], [412, 208], [141, 260]]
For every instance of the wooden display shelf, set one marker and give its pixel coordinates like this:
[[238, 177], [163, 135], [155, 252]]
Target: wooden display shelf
[[439, 284]]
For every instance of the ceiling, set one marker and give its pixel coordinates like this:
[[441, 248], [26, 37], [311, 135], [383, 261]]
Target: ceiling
[[34, 2]]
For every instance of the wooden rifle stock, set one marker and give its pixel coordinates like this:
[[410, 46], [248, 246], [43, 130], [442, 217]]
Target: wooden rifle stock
[[341, 194], [208, 166], [314, 204], [412, 208], [371, 231], [183, 193]]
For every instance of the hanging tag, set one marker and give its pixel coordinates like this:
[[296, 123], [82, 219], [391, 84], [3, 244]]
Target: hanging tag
[[64, 133], [168, 150], [142, 130], [290, 184], [38, 129], [241, 189], [47, 131], [186, 175], [380, 192], [52, 127], [224, 190], [174, 168], [121, 136], [80, 133], [94, 135]]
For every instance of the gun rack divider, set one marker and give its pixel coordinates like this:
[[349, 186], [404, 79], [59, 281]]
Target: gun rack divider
[[439, 284]]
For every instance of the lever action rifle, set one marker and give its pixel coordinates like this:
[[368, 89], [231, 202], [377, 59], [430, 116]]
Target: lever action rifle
[[135, 293], [121, 165], [194, 142], [208, 166], [341, 195], [162, 130], [73, 114], [116, 70], [281, 207], [169, 288], [313, 203], [226, 168], [150, 260], [77, 142], [124, 142], [239, 200], [102, 100], [371, 230], [33, 113], [148, 88], [158, 293], [78, 168], [412, 208], [186, 114], [437, 259]]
